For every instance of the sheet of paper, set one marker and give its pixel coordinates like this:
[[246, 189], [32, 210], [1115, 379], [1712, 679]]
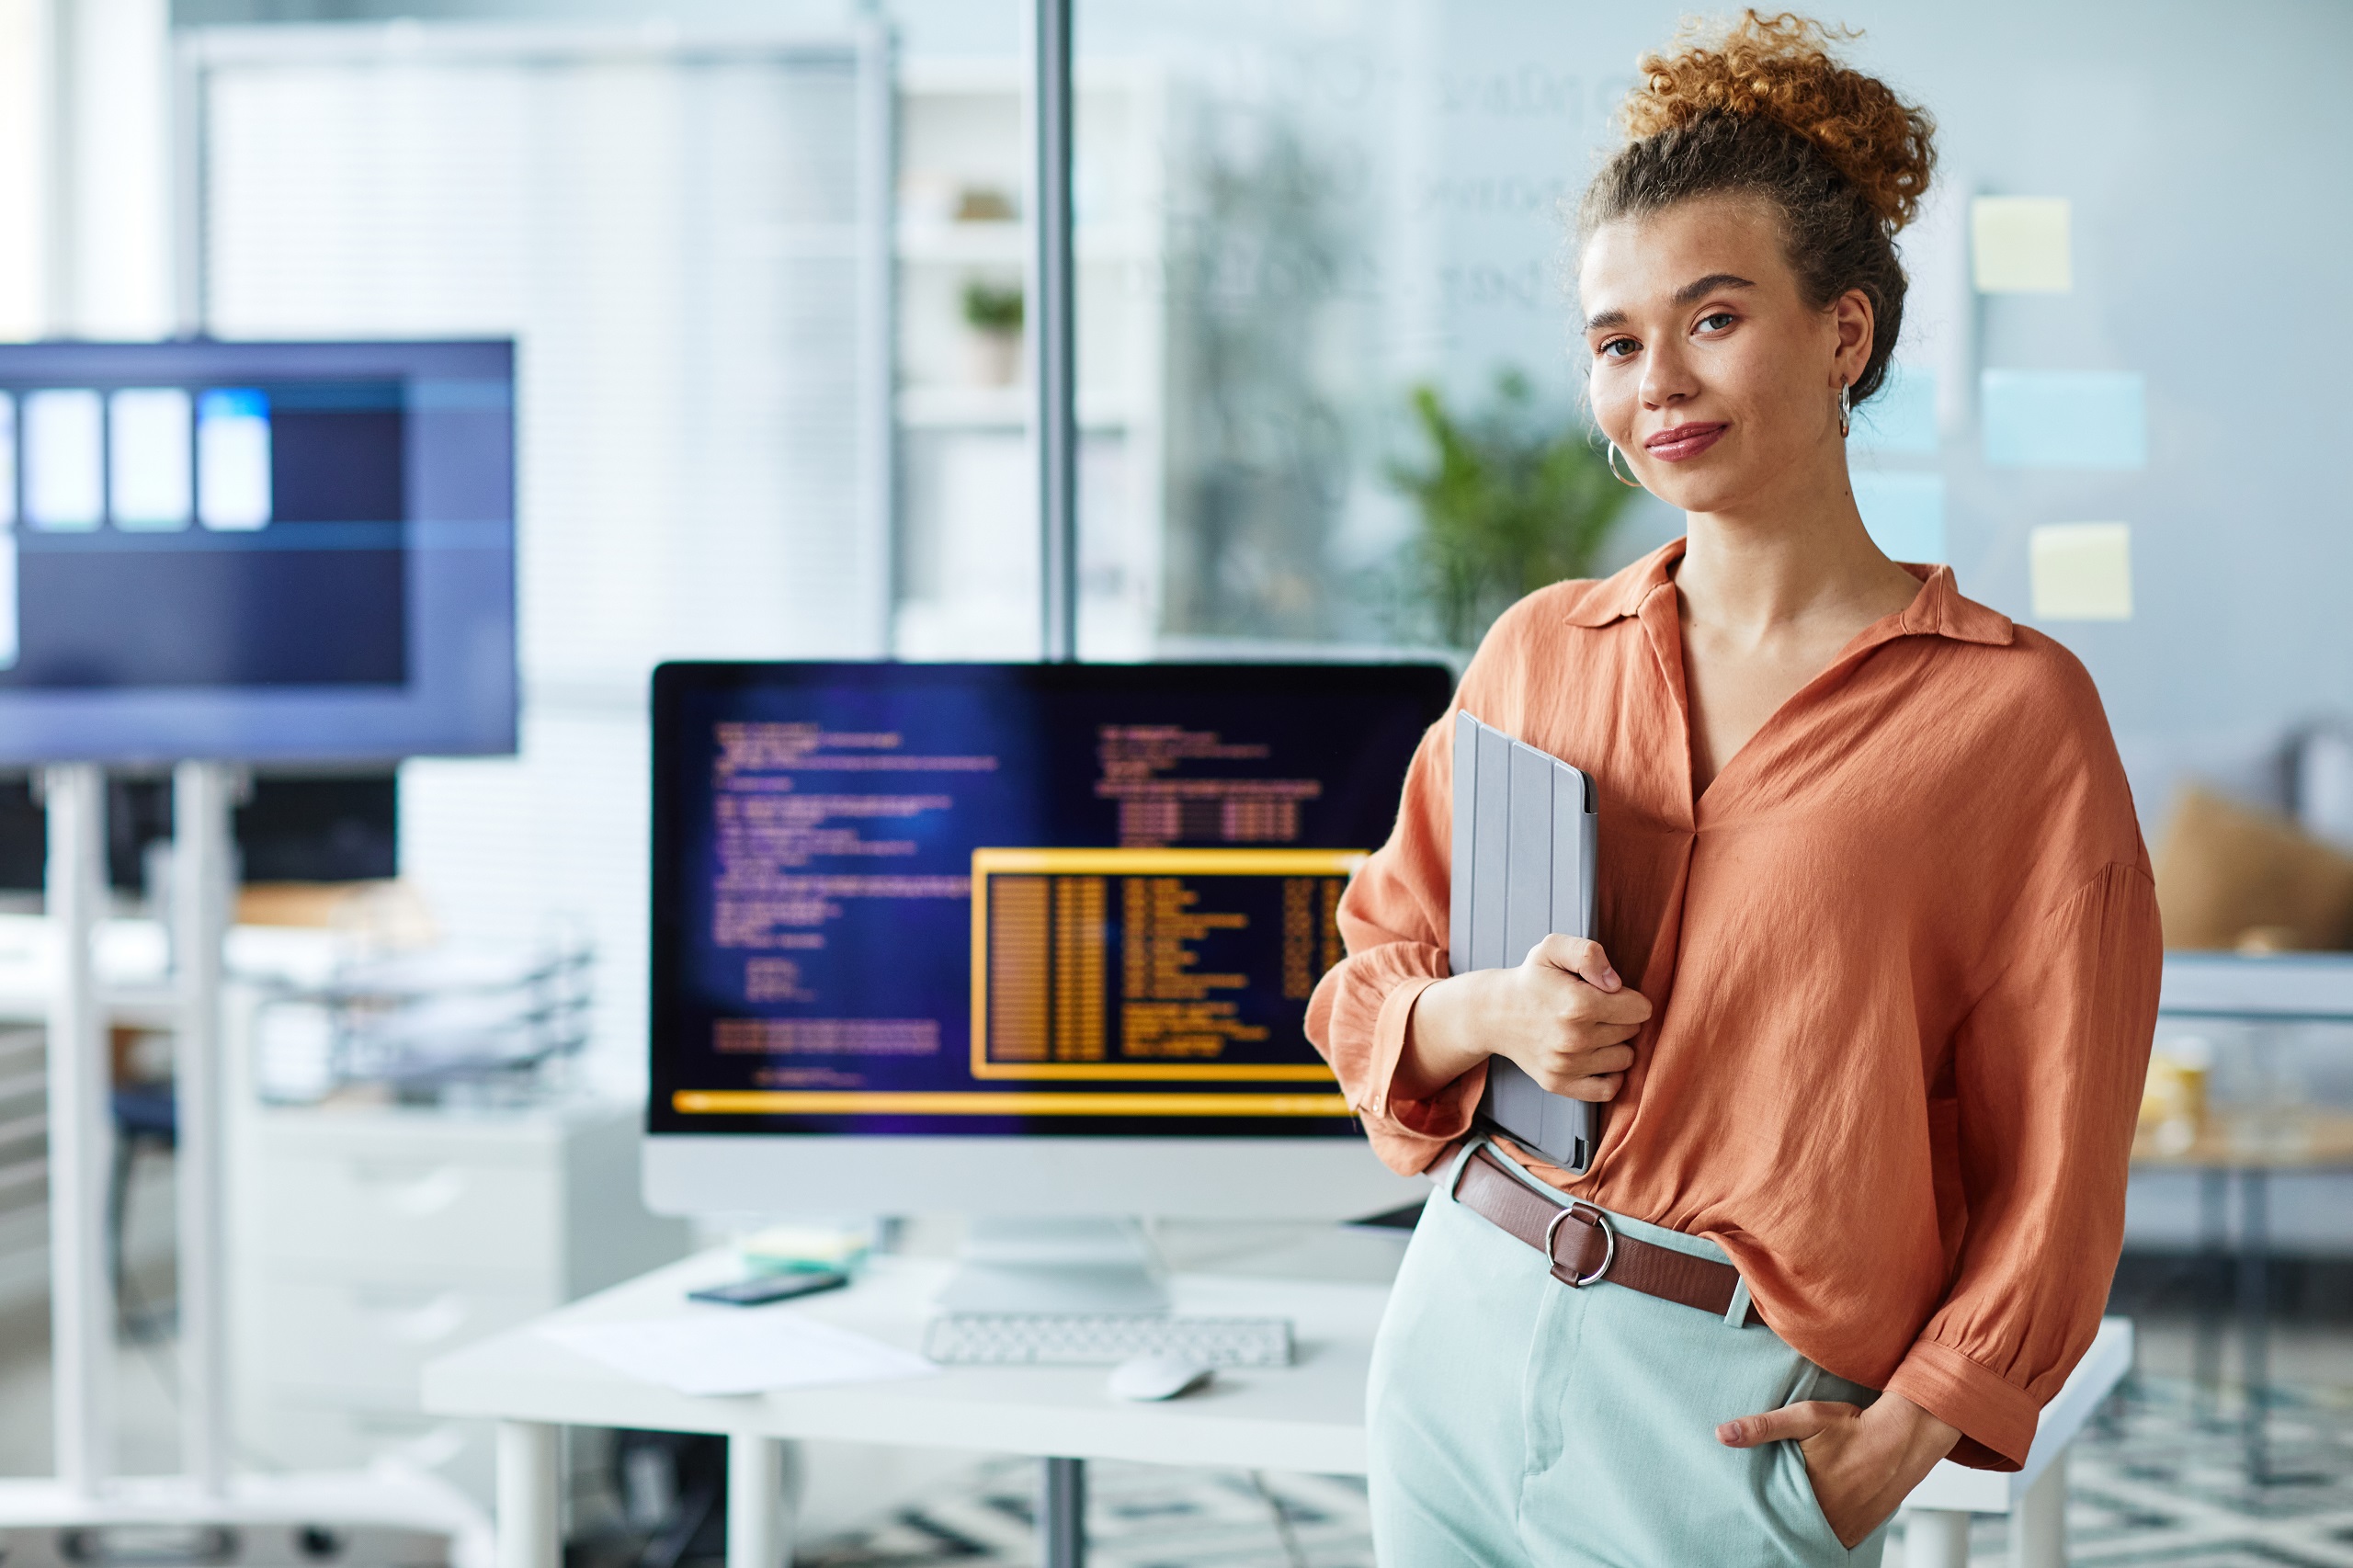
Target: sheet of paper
[[727, 1350], [1901, 417], [1904, 511], [2064, 418], [2018, 244], [2081, 571]]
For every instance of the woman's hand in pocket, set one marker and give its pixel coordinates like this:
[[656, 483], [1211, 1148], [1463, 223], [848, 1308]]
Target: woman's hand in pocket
[[1863, 1461]]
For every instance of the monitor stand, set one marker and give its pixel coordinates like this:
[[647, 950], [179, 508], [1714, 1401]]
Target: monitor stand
[[1101, 1266]]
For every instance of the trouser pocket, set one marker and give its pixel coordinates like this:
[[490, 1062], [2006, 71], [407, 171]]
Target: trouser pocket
[[1800, 1506]]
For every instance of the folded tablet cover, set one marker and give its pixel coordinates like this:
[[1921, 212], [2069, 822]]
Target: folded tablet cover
[[1524, 842]]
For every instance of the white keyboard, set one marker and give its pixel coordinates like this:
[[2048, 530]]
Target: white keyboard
[[1051, 1339]]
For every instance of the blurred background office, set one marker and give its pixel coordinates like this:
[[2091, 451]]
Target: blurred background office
[[764, 264]]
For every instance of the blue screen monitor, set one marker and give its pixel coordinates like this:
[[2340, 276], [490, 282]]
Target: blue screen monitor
[[289, 553], [1031, 901]]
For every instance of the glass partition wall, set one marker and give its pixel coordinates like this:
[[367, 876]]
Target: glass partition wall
[[1310, 238], [1316, 237]]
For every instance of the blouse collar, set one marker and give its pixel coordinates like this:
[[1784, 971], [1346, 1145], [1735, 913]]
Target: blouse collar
[[1937, 610]]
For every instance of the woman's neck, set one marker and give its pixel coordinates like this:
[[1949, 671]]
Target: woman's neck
[[1791, 561]]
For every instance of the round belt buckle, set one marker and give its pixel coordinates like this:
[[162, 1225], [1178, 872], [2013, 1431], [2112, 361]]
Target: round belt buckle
[[1608, 1242]]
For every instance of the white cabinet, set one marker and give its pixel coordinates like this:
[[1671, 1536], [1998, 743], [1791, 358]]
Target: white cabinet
[[365, 1240]]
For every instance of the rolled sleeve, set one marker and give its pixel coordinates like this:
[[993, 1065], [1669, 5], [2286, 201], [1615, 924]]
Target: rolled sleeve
[[1436, 1121], [1995, 1417]]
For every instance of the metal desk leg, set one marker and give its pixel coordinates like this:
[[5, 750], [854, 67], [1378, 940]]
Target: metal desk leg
[[529, 1534], [2254, 1314], [1062, 1512], [2213, 1237], [2039, 1527], [1936, 1538], [755, 1514]]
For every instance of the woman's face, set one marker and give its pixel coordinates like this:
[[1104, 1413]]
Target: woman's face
[[1709, 369]]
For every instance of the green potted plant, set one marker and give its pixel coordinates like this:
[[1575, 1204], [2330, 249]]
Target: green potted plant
[[993, 324], [1512, 496]]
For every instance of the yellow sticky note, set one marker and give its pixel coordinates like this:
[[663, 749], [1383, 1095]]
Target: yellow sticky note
[[2019, 244], [2081, 571]]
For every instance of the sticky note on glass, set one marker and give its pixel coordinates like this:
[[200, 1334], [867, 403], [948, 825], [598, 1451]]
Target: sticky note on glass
[[1901, 416], [2064, 418], [2018, 244], [1905, 513], [2081, 571]]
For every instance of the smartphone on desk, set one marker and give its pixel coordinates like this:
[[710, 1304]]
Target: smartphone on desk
[[763, 1289]]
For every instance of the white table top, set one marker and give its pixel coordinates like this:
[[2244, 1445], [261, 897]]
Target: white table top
[[1307, 1416], [2283, 987]]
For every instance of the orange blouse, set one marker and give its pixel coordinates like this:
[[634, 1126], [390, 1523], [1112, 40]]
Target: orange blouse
[[1903, 958]]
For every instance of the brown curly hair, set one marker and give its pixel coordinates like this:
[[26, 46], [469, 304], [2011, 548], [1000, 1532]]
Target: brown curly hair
[[1764, 108]]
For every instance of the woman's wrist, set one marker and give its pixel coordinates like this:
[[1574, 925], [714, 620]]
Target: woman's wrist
[[1436, 1050], [1916, 1438]]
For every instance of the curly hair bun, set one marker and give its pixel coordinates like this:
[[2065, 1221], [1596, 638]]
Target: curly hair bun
[[1780, 68]]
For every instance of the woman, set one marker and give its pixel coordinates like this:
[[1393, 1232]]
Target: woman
[[1875, 966]]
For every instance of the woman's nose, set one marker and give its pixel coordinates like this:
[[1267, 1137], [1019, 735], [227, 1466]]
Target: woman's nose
[[1667, 379]]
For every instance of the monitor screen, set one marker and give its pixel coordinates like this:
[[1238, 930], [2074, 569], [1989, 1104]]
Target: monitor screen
[[256, 551], [981, 899]]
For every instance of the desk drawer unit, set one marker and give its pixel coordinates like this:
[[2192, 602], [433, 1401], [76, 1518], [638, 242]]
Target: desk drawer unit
[[371, 1338], [367, 1241], [374, 1209]]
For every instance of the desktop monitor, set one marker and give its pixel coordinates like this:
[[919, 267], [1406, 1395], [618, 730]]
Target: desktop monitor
[[277, 552], [1012, 940]]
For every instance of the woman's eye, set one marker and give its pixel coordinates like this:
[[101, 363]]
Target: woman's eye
[[1718, 322], [1618, 348]]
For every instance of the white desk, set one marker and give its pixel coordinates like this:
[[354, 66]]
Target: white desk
[[1306, 1417]]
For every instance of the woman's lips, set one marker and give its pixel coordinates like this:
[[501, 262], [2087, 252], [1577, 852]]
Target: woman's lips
[[1679, 442]]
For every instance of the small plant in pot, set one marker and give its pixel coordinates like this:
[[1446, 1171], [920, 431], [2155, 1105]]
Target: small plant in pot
[[1512, 495], [993, 324]]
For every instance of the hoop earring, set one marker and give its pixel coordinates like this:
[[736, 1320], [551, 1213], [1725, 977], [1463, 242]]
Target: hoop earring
[[1845, 411], [1612, 463]]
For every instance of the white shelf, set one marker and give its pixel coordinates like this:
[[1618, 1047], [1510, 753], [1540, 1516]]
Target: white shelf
[[1006, 243], [995, 408]]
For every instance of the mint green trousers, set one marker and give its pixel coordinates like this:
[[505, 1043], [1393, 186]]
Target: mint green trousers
[[1517, 1422]]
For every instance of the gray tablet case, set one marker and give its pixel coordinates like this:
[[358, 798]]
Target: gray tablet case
[[1524, 843]]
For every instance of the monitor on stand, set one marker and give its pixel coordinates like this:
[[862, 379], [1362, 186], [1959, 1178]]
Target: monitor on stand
[[1029, 943], [215, 555], [258, 552]]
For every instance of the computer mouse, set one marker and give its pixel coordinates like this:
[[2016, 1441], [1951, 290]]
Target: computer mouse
[[1162, 1376]]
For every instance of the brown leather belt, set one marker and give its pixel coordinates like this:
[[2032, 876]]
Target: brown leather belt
[[1584, 1248]]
